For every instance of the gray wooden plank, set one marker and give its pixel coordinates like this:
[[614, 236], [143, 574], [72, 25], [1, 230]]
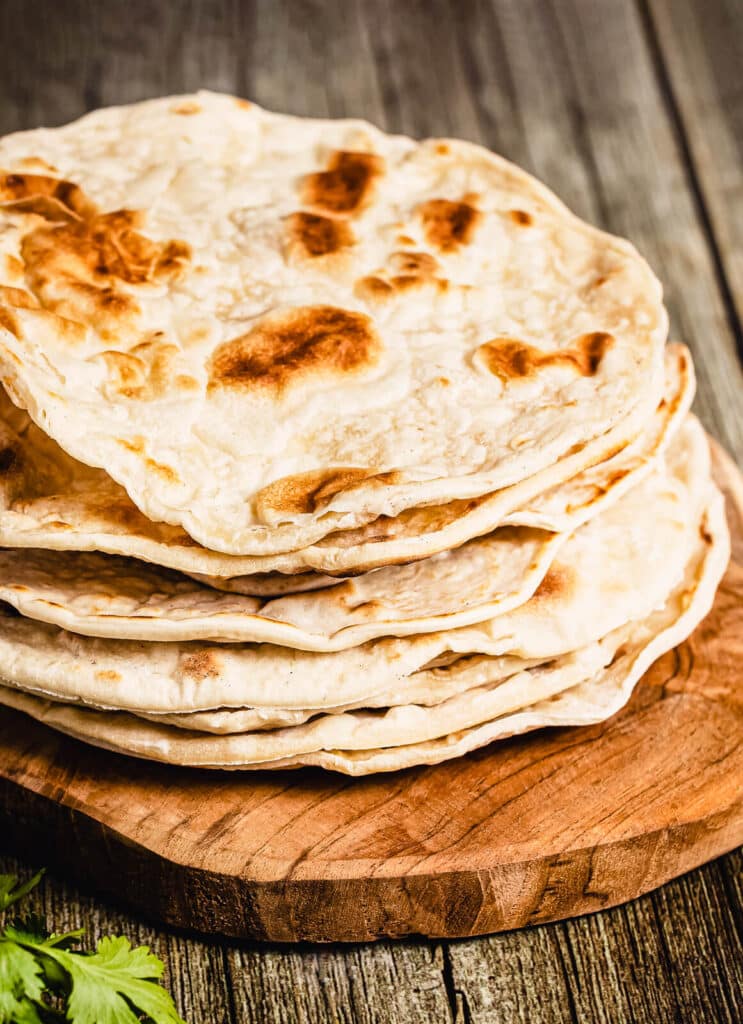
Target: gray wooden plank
[[316, 60], [370, 984], [60, 62], [668, 956], [732, 871], [701, 46], [514, 978], [618, 968], [672, 955], [705, 960]]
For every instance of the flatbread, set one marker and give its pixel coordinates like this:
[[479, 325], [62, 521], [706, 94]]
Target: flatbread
[[101, 595], [580, 688], [117, 598], [426, 687], [50, 500], [355, 730], [618, 568], [560, 507], [594, 700], [268, 328]]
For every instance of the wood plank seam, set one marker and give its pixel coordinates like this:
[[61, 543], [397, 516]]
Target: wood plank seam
[[458, 1005], [230, 986], [737, 910], [580, 124], [666, 954], [696, 188]]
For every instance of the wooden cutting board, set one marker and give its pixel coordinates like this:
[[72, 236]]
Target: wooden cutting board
[[537, 828]]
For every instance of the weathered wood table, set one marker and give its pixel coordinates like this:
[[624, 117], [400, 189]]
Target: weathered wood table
[[633, 113]]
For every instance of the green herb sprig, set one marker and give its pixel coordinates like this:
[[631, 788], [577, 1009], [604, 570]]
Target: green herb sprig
[[44, 980]]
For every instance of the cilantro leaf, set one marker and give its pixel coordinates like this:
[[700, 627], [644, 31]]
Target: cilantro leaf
[[10, 891], [27, 1013], [20, 981], [105, 985], [32, 926], [41, 976]]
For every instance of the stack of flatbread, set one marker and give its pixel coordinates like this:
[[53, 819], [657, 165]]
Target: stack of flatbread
[[324, 446]]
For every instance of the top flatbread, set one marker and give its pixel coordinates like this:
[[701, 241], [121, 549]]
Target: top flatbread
[[267, 328]]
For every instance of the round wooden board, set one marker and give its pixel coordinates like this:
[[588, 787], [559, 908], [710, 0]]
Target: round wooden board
[[534, 829]]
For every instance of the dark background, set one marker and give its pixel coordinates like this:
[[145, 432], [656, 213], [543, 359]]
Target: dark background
[[633, 113]]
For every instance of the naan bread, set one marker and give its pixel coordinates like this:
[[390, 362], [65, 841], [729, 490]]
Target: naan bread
[[50, 500], [426, 687], [359, 729], [117, 598], [101, 595], [595, 700], [580, 688], [560, 507], [618, 568], [269, 328]]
